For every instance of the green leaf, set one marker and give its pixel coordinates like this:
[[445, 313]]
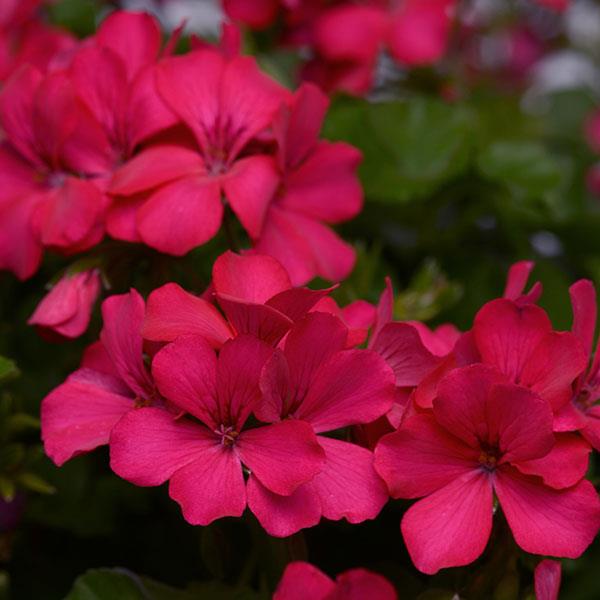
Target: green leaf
[[524, 167], [110, 584], [33, 482], [410, 147], [8, 369], [7, 489]]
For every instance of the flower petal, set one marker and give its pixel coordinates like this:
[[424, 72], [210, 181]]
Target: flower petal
[[282, 456], [547, 579], [172, 312], [302, 580], [421, 457], [548, 521], [461, 510]]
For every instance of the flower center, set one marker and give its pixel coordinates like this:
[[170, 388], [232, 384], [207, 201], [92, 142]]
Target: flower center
[[489, 456], [227, 434], [585, 399]]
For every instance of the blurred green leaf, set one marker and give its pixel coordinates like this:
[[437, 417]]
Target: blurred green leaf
[[8, 369], [35, 483], [524, 167], [78, 16], [7, 489]]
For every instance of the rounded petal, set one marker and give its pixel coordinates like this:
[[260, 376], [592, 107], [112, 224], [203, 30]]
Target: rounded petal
[[421, 457], [548, 521], [302, 580], [282, 456], [282, 516], [181, 215], [547, 577], [211, 487], [461, 510]]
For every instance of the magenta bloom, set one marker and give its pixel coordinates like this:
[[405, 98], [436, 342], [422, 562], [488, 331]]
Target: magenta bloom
[[486, 436], [79, 414], [319, 186], [518, 339], [226, 102], [547, 580], [254, 291], [301, 581], [53, 150], [583, 413], [66, 309], [315, 379], [202, 454]]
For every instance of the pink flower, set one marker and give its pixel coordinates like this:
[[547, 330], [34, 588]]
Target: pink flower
[[583, 413], [486, 436], [558, 5], [254, 291], [301, 580], [202, 454], [319, 186], [79, 414], [315, 379], [174, 191], [49, 195], [67, 308], [547, 580], [518, 339], [258, 14]]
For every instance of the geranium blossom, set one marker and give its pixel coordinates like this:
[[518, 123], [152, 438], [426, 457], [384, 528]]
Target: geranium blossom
[[301, 580], [486, 436], [202, 454], [79, 414], [315, 379], [67, 308]]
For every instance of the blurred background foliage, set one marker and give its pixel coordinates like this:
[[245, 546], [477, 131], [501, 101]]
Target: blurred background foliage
[[463, 176]]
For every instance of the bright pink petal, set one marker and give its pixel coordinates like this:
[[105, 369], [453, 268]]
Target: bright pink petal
[[564, 466], [516, 280], [172, 312], [238, 372], [148, 445], [325, 186], [250, 277], [347, 485], [134, 37], [420, 31], [250, 187], [79, 415], [295, 303], [259, 320], [583, 300], [297, 127], [548, 521], [211, 487], [155, 166], [257, 15], [553, 367], [352, 387], [181, 215], [591, 429], [123, 316], [275, 387], [302, 580], [507, 334], [422, 457], [305, 247], [401, 346], [461, 510], [185, 372], [96, 358], [282, 516], [547, 580], [121, 218], [357, 584], [70, 217], [441, 341], [281, 456]]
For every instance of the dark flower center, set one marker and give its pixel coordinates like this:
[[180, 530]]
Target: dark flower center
[[227, 434], [488, 458]]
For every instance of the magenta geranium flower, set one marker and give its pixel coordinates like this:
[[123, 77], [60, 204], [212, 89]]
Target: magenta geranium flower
[[66, 309], [301, 581], [204, 450], [254, 291], [486, 437], [583, 412], [315, 379], [79, 414], [226, 102], [319, 186]]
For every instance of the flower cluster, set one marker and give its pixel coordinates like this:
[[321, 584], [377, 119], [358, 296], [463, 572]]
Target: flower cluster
[[114, 135], [256, 395]]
